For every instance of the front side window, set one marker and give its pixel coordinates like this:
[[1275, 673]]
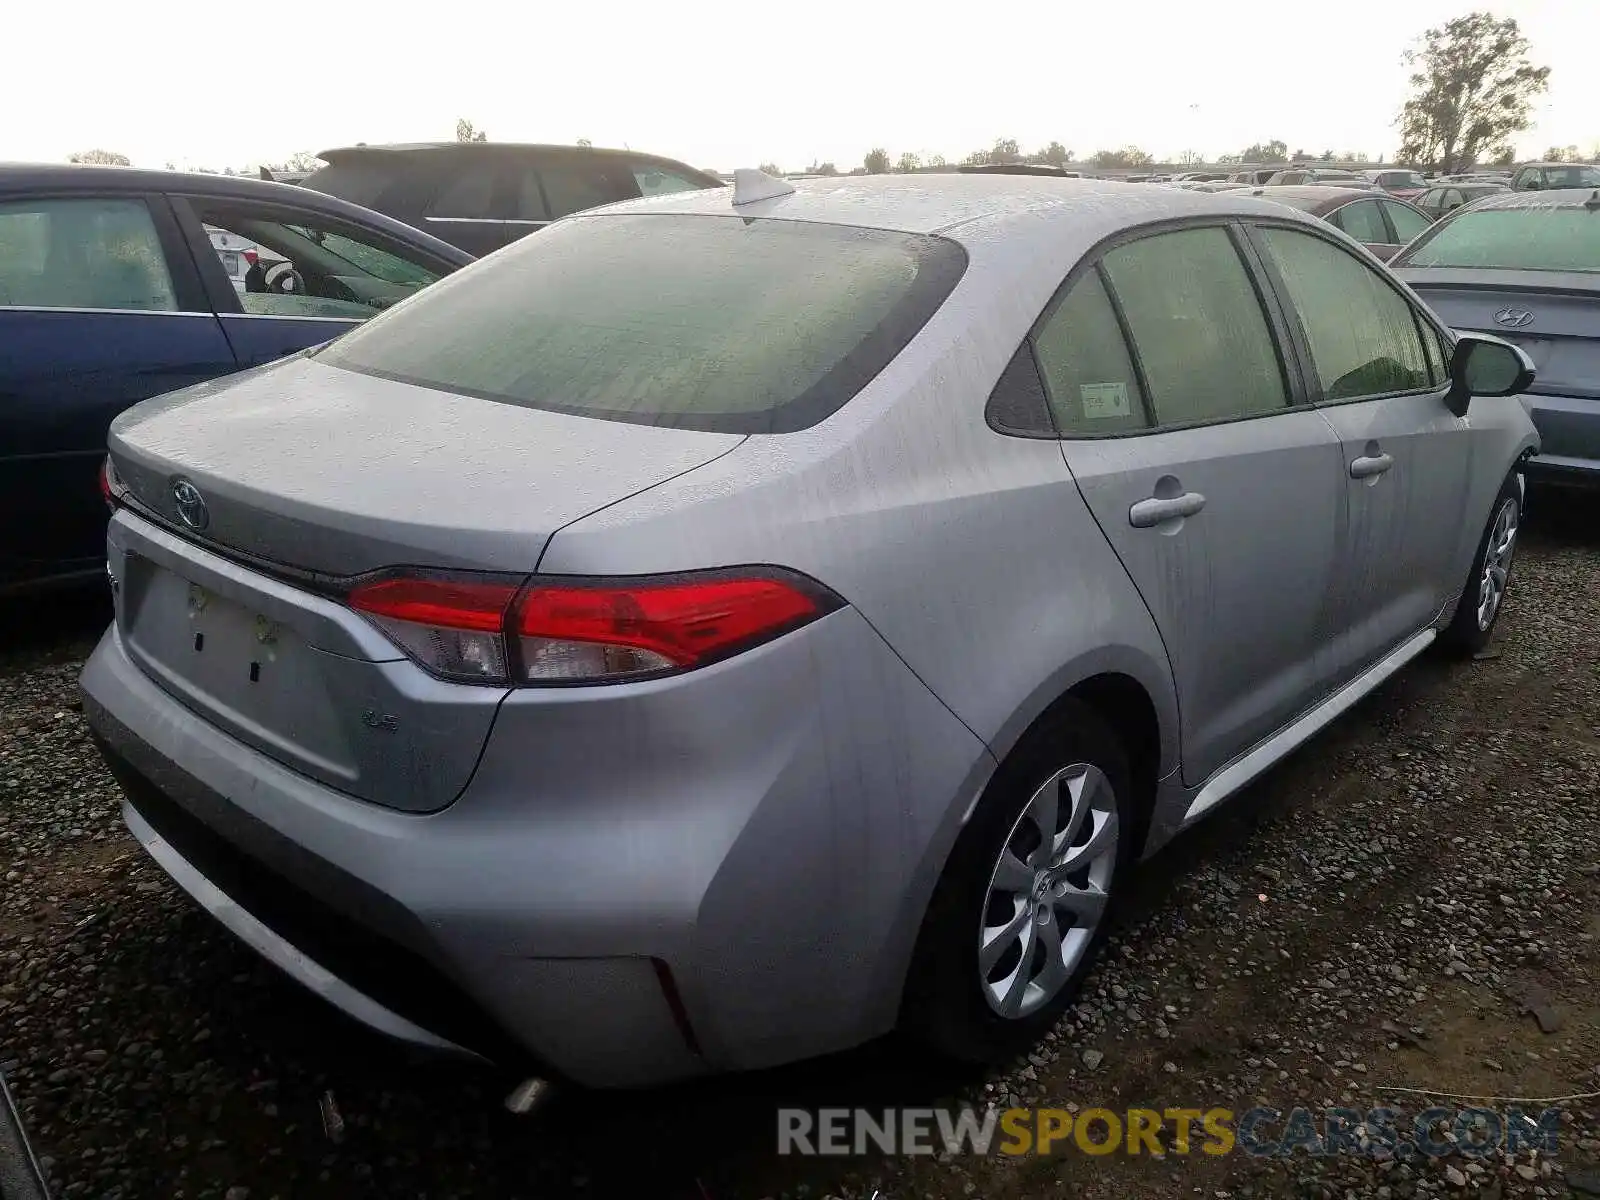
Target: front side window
[[1088, 374], [1362, 332], [1531, 238], [659, 181], [1407, 221], [698, 322], [88, 253], [300, 265], [1362, 221], [1197, 326]]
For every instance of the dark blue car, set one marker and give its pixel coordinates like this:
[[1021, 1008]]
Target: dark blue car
[[120, 284]]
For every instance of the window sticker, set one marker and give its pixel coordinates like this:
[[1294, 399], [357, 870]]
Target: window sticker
[[1102, 400]]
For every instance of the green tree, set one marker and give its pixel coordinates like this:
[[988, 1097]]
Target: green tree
[[908, 163], [465, 132], [1055, 154], [1191, 158], [877, 161], [101, 158], [1564, 154], [1128, 156], [1265, 152], [936, 160], [1472, 91], [768, 168], [827, 168]]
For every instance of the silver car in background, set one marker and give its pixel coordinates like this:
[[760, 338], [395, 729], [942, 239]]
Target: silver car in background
[[734, 623], [1526, 266]]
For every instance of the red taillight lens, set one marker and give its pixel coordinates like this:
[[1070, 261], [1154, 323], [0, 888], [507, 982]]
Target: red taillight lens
[[452, 627], [250, 257], [484, 631], [610, 630], [110, 485]]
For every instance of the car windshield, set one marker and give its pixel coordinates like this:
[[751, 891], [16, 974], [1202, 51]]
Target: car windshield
[[694, 321], [1517, 239], [1402, 179]]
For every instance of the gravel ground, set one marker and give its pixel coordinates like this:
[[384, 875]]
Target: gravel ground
[[1411, 901]]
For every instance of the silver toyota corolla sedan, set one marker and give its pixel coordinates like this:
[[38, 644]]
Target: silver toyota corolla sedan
[[733, 624], [1526, 265]]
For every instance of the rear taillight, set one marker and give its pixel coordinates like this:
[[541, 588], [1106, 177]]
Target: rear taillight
[[250, 257], [453, 627], [110, 485], [553, 631]]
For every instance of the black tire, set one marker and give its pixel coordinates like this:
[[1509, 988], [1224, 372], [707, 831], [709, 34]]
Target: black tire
[[945, 1005], [1467, 633]]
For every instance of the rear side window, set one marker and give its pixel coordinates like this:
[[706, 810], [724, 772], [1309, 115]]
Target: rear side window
[[1197, 326], [573, 185], [697, 322], [360, 180], [1406, 221], [1517, 239], [1363, 334], [1089, 376], [99, 253], [1362, 221], [464, 190]]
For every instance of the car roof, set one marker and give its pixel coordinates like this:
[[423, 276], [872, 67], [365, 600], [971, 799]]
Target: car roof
[[1579, 197], [384, 149], [35, 178], [1072, 214], [1314, 198]]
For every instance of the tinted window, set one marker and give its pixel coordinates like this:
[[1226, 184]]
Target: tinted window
[[698, 322], [1198, 327], [1362, 221], [658, 181], [466, 189], [1088, 374], [528, 202], [82, 254], [1406, 221], [1571, 177], [1363, 335], [360, 180], [1523, 239], [301, 265], [574, 185]]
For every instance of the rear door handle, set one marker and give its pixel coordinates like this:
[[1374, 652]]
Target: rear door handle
[[1369, 465], [1154, 511]]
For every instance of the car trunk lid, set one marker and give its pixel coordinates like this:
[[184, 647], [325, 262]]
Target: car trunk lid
[[308, 475], [1554, 317]]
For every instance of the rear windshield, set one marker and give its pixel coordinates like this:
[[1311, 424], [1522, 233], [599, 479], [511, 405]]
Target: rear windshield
[[694, 321], [1514, 239], [1406, 179], [1571, 177]]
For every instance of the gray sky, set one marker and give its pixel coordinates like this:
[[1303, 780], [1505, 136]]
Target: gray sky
[[723, 84]]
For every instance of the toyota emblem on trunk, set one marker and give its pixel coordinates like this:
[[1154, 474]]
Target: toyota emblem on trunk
[[191, 504], [1515, 318]]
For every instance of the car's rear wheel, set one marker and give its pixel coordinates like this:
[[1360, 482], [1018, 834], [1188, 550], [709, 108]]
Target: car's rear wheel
[[1484, 595], [1022, 906]]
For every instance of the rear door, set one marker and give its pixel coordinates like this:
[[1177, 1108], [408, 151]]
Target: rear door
[[1405, 222], [1376, 366], [1219, 492], [314, 276], [465, 200], [100, 307]]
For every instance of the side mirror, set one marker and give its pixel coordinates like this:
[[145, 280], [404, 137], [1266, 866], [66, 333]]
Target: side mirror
[[1484, 365]]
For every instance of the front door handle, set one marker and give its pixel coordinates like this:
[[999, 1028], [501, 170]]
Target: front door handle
[[1157, 511], [1369, 465]]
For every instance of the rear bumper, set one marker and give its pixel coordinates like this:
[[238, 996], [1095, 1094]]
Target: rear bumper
[[720, 871], [1569, 437]]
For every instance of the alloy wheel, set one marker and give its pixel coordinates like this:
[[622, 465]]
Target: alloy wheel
[[1497, 564], [1049, 890]]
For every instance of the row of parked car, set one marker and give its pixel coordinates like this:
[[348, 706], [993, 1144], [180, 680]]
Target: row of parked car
[[731, 624]]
